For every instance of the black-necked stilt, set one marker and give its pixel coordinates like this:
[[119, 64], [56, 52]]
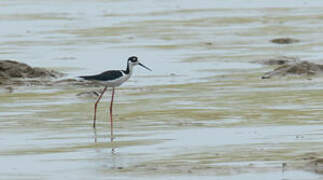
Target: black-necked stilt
[[113, 78]]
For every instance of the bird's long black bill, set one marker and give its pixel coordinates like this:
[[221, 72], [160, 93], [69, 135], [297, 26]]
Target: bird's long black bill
[[144, 66]]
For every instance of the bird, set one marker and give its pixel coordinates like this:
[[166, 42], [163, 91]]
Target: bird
[[113, 78]]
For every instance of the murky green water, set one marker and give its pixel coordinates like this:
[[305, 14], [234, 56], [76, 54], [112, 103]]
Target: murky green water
[[202, 111]]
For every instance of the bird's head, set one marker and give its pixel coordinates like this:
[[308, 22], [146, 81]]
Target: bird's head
[[133, 61]]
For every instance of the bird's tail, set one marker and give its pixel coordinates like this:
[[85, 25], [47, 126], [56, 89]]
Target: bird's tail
[[87, 77]]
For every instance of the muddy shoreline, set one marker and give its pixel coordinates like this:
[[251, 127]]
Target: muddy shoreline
[[203, 112]]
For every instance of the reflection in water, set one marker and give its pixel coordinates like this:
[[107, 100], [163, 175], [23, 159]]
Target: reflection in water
[[111, 141], [112, 145], [95, 135], [283, 168]]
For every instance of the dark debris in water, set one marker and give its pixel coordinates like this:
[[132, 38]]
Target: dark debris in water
[[284, 41], [14, 71], [93, 93], [315, 165], [280, 60], [302, 68]]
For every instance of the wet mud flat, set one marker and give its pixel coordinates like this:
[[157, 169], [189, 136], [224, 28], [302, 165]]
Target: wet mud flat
[[173, 131], [206, 114]]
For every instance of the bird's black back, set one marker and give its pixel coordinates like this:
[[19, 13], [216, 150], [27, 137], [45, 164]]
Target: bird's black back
[[105, 76]]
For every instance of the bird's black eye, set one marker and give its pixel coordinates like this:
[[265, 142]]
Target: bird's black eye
[[133, 59]]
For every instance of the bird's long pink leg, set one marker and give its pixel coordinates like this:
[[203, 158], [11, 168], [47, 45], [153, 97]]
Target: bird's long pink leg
[[111, 121], [96, 105]]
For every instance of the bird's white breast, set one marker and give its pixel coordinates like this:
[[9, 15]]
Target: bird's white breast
[[119, 81]]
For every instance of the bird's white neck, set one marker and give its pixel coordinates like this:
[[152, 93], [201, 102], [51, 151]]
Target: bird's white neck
[[129, 68]]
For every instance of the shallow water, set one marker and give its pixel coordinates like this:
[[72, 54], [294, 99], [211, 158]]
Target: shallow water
[[202, 111]]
